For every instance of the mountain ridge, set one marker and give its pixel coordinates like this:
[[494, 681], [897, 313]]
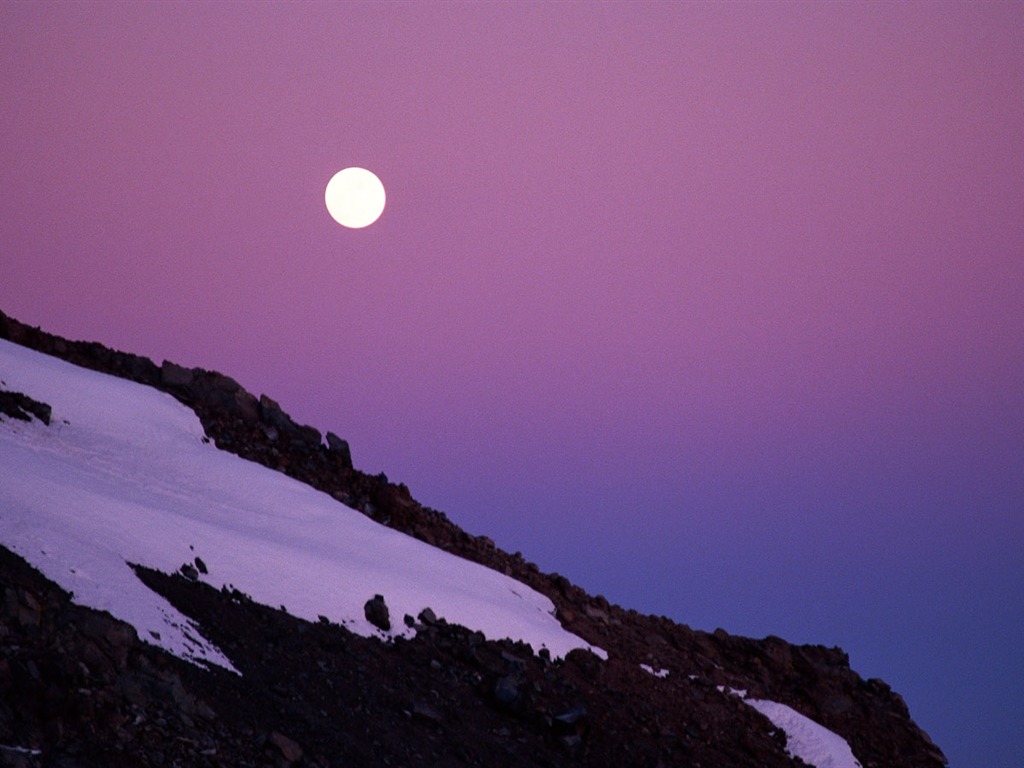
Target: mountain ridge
[[630, 717]]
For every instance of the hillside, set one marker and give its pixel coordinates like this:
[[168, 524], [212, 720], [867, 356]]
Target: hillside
[[283, 685]]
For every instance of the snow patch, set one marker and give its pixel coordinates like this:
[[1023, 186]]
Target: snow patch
[[123, 475], [659, 673], [815, 744]]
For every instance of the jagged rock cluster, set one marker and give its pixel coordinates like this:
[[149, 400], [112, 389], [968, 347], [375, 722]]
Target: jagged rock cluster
[[22, 407], [80, 687]]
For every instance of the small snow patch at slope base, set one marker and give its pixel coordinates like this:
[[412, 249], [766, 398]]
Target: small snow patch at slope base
[[815, 744], [123, 475], [812, 743]]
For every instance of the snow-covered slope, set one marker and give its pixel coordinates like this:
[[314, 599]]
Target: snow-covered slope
[[123, 475]]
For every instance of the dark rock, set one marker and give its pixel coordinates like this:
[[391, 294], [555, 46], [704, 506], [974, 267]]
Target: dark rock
[[506, 690], [272, 415], [515, 663], [173, 375], [201, 566], [428, 617], [572, 716], [340, 449], [572, 742], [189, 571], [23, 407], [376, 611], [247, 406], [289, 750], [306, 437], [426, 713]]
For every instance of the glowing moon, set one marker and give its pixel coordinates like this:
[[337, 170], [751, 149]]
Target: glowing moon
[[355, 198]]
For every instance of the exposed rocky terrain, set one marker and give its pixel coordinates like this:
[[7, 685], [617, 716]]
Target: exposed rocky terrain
[[78, 688]]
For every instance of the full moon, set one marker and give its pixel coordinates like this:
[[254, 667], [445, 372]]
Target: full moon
[[354, 197]]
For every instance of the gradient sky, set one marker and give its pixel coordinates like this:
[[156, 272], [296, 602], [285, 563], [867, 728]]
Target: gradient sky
[[717, 309]]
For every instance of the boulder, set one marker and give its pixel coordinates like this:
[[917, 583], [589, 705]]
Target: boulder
[[506, 690], [272, 415], [247, 406], [289, 750], [340, 449], [426, 713], [174, 375], [376, 611]]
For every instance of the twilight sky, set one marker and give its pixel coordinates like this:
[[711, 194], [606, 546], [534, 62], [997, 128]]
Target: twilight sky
[[714, 308]]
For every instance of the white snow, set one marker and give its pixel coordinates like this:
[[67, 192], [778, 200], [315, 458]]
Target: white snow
[[815, 744], [659, 673], [122, 475], [741, 692]]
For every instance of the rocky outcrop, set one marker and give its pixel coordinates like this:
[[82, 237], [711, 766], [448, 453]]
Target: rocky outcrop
[[446, 698], [376, 611], [22, 407]]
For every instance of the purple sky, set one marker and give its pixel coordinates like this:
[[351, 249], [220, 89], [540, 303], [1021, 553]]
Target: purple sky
[[715, 309]]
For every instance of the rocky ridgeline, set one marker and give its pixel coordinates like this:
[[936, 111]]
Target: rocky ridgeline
[[316, 694]]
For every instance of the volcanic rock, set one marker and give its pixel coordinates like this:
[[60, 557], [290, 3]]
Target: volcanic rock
[[340, 449], [376, 611], [189, 571], [289, 750], [23, 407]]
